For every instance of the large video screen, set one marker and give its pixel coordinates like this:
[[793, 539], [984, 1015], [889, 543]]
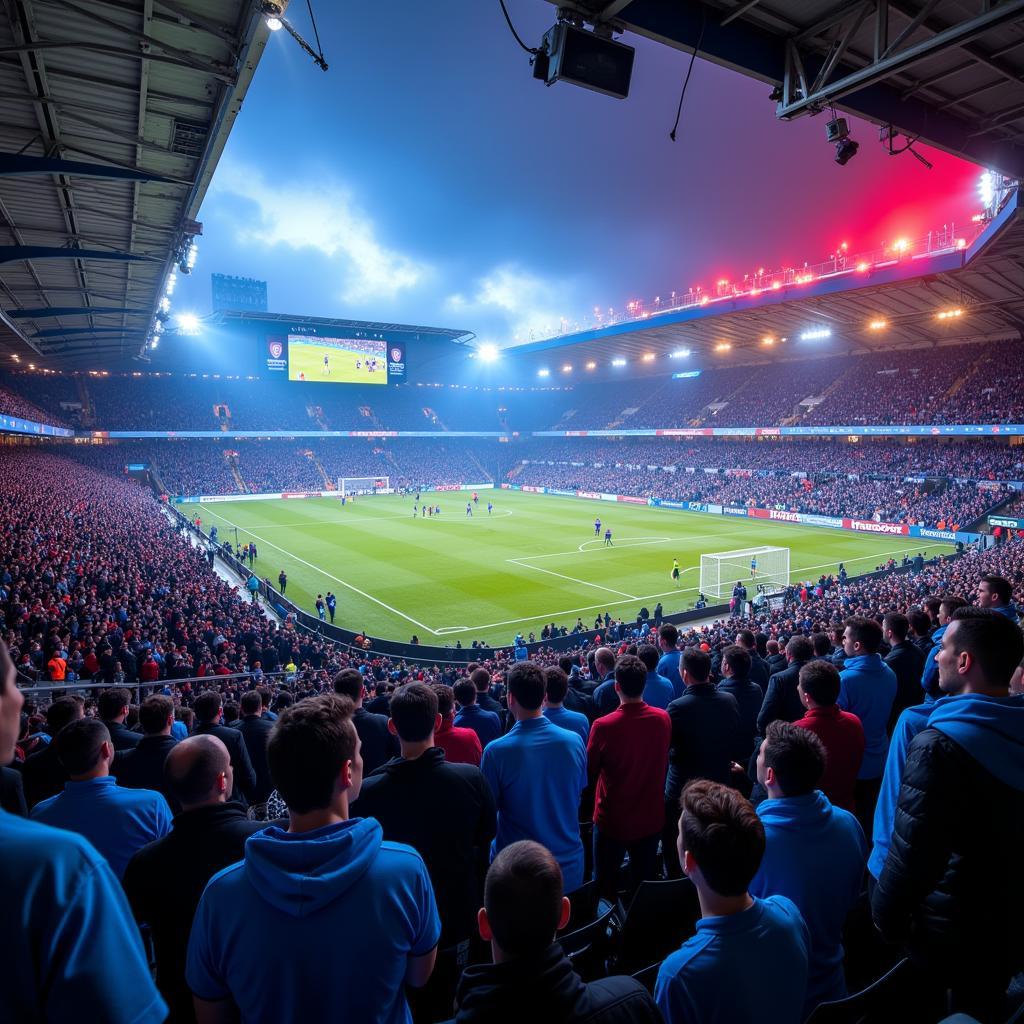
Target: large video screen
[[337, 360]]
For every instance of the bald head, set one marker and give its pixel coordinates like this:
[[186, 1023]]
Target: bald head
[[604, 659], [198, 772]]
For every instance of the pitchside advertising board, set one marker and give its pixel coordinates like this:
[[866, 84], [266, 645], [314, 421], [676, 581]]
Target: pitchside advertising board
[[318, 357]]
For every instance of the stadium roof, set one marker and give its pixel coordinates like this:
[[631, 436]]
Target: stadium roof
[[458, 336], [946, 72], [902, 294], [115, 116]]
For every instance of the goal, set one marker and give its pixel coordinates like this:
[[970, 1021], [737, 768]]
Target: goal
[[349, 485], [720, 571]]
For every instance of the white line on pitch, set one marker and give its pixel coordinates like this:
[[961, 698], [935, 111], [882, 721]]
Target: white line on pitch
[[572, 579], [316, 568]]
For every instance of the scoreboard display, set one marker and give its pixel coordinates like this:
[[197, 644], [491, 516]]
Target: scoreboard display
[[324, 359]]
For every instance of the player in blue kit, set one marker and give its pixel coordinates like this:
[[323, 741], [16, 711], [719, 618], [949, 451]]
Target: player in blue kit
[[608, 537], [469, 510], [597, 527], [753, 567], [490, 508]]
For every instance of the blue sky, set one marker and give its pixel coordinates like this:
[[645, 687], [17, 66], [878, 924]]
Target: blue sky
[[427, 178]]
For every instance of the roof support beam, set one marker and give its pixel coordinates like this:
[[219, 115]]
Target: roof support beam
[[43, 312], [12, 253]]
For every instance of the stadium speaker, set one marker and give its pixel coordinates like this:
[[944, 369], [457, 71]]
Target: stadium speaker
[[583, 58]]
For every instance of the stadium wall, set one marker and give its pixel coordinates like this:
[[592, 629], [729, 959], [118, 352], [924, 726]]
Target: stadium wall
[[209, 499]]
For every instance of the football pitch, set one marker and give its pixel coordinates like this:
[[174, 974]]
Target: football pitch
[[534, 560]]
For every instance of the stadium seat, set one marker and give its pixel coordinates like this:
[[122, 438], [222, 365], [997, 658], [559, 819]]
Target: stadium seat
[[648, 976], [661, 916], [878, 1003], [588, 947]]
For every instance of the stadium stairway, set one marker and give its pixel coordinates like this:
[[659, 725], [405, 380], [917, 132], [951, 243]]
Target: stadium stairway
[[961, 381], [232, 461], [320, 469], [86, 415]]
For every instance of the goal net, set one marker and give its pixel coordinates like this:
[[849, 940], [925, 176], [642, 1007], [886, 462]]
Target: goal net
[[349, 485], [722, 570]]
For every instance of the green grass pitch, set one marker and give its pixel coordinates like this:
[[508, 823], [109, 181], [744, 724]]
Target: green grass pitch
[[534, 560]]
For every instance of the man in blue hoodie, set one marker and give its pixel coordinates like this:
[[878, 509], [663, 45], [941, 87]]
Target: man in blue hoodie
[[944, 892], [327, 879], [804, 832], [930, 673], [867, 689], [996, 592]]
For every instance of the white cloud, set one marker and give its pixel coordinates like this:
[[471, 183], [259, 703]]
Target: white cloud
[[530, 305], [323, 216]]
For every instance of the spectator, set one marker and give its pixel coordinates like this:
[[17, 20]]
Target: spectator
[[165, 879], [142, 767], [329, 875], [557, 683], [604, 697], [804, 832], [486, 724], [255, 731], [658, 691], [209, 708], [960, 805], [116, 821], [627, 757], [668, 666], [705, 724], [996, 592], [764, 942], [377, 745], [537, 773], [531, 978], [749, 697], [65, 917], [460, 746], [12, 792], [906, 661], [947, 606], [481, 679], [42, 773], [841, 733], [758, 666], [442, 809], [114, 706], [781, 701], [867, 689], [776, 659]]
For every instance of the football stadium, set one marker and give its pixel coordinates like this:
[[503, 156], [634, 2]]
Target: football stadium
[[535, 536]]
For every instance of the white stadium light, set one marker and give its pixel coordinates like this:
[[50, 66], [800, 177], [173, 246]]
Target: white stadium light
[[680, 353], [619, 362], [987, 189], [816, 334], [544, 372], [188, 323], [488, 352], [274, 24]]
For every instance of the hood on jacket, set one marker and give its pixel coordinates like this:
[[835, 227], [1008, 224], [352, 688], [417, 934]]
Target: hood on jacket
[[300, 873], [513, 991], [990, 729], [798, 813]]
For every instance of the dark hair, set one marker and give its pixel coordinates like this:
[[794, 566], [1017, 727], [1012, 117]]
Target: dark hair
[[897, 624], [820, 680], [62, 712], [630, 676], [738, 659], [723, 833], [668, 632], [207, 706], [797, 757], [821, 643], [866, 632], [992, 640], [208, 757], [526, 683], [649, 655], [1000, 586], [308, 747], [265, 695], [951, 603], [697, 663], [230, 712], [746, 638], [112, 701], [465, 692], [413, 709], [445, 699], [251, 702], [800, 648], [154, 712], [523, 898], [78, 745], [349, 683], [556, 684], [932, 606], [481, 679], [920, 621]]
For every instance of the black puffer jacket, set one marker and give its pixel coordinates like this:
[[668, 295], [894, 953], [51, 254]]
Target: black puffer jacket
[[546, 990], [950, 888]]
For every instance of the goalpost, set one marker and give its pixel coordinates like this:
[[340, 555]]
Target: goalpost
[[349, 485], [721, 570]]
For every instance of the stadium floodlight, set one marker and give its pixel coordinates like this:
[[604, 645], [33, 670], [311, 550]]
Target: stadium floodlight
[[815, 334], [619, 361], [680, 353], [648, 357], [878, 325], [767, 340], [188, 323], [949, 314], [488, 352], [567, 368], [273, 14], [987, 188], [591, 365], [723, 346], [543, 372], [274, 24]]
